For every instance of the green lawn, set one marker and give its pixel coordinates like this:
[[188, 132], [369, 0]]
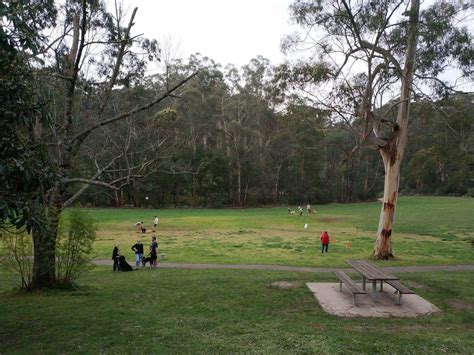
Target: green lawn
[[229, 311], [225, 311], [428, 230]]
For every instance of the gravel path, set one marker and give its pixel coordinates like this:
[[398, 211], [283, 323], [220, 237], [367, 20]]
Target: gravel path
[[394, 269]]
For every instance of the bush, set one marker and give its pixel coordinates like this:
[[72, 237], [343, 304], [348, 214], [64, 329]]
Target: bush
[[76, 234], [17, 256]]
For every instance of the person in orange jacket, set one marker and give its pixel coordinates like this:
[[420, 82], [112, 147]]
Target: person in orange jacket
[[324, 241]]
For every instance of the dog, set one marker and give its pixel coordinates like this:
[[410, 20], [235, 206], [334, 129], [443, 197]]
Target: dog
[[123, 265], [145, 260]]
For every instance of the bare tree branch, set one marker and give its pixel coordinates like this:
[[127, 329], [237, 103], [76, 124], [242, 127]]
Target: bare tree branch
[[86, 186], [118, 63], [90, 182], [81, 136]]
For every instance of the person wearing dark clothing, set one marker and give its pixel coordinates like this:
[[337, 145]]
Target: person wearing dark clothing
[[124, 266], [153, 251], [138, 249], [115, 258], [324, 241]]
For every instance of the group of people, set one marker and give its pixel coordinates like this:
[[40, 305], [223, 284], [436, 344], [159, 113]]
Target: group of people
[[140, 227], [324, 235], [119, 260], [300, 211]]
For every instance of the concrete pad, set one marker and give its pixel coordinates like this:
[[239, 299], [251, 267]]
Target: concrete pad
[[340, 303]]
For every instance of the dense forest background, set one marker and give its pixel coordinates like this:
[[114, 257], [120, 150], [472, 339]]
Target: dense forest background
[[232, 137]]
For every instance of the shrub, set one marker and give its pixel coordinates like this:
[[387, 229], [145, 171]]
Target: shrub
[[17, 256], [76, 234]]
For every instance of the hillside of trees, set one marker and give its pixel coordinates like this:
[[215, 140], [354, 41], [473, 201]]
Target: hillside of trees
[[230, 138]]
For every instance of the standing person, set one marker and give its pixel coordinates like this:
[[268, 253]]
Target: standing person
[[309, 209], [138, 249], [153, 251], [115, 257], [300, 210], [324, 241], [155, 223]]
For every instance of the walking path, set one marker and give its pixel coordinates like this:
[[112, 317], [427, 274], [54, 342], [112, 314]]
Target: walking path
[[427, 268]]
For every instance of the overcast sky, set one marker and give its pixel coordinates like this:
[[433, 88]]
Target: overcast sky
[[226, 31], [223, 30]]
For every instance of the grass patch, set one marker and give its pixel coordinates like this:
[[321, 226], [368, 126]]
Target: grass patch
[[207, 311], [428, 230]]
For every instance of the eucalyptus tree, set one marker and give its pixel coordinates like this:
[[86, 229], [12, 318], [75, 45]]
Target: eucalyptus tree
[[440, 159], [247, 123], [260, 107], [198, 113], [85, 53], [376, 53]]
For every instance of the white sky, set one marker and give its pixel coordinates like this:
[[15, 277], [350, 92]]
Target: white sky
[[225, 31]]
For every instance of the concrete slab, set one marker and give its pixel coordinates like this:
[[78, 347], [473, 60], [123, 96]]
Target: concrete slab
[[340, 303]]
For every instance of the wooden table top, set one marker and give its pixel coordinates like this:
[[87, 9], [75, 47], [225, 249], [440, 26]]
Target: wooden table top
[[371, 271]]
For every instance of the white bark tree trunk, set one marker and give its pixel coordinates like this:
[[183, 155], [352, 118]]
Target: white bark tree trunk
[[392, 153]]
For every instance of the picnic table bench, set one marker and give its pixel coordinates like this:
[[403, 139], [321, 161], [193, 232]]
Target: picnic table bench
[[401, 289], [350, 284]]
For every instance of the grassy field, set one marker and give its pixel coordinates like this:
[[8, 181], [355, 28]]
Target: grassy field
[[229, 311], [225, 311], [428, 230]]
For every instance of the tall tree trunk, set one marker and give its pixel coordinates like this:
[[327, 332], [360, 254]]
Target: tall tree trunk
[[277, 181], [383, 243], [136, 194], [246, 191], [119, 198], [193, 192], [44, 239], [392, 153], [44, 243], [366, 179], [44, 268], [239, 183]]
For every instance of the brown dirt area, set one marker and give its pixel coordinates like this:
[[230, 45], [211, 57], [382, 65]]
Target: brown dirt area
[[459, 305], [285, 285]]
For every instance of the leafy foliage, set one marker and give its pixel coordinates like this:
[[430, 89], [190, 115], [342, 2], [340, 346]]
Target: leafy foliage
[[16, 257], [24, 171], [76, 234]]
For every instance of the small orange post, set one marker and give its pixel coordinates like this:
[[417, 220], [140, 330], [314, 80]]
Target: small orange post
[[334, 240], [348, 246]]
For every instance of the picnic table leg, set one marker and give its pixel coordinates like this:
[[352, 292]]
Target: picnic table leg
[[363, 283], [381, 286], [374, 290]]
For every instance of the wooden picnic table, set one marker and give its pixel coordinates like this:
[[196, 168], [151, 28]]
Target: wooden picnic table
[[372, 273]]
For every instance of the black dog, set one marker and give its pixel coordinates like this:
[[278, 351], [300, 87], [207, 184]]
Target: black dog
[[146, 259], [124, 266]]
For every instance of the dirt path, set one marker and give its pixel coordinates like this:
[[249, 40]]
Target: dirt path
[[394, 269]]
